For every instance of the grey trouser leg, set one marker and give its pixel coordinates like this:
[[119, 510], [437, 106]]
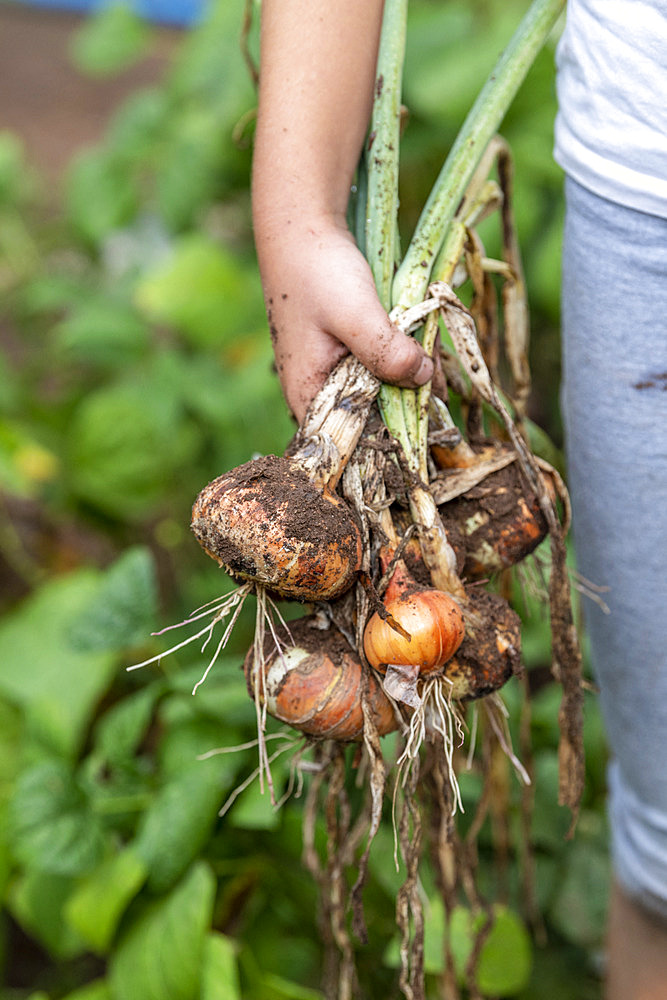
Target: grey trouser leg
[[614, 400]]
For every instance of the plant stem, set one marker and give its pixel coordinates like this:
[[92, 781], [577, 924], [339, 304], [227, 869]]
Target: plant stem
[[382, 151], [485, 116], [382, 165]]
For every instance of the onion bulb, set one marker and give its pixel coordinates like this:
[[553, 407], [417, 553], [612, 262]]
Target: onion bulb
[[314, 683], [500, 521], [267, 521], [434, 626], [490, 652], [419, 632]]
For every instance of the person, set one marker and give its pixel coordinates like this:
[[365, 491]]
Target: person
[[316, 84]]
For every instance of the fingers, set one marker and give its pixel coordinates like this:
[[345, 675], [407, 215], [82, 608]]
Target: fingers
[[303, 367], [322, 304], [385, 350], [353, 315]]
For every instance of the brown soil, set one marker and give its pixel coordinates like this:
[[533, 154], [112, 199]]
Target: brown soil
[[491, 649], [508, 524], [268, 522]]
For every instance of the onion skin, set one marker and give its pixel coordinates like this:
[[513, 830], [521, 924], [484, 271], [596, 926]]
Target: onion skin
[[315, 686], [434, 623], [268, 522]]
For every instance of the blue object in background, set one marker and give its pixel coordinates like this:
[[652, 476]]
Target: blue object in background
[[176, 12]]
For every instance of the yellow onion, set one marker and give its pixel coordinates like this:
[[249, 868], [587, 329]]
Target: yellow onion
[[314, 683], [419, 630], [267, 521], [434, 625]]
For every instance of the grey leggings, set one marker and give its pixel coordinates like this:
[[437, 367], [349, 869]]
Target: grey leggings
[[614, 401]]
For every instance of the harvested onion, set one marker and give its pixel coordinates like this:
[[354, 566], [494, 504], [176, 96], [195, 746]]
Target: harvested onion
[[420, 631], [490, 652], [434, 626], [267, 521], [315, 683]]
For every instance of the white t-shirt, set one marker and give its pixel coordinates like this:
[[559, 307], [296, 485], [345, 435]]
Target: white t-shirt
[[611, 128]]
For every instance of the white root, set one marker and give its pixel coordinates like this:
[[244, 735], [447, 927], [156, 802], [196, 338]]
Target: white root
[[217, 610], [497, 715]]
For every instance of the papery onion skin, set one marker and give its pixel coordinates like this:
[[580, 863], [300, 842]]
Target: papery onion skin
[[434, 622], [267, 521], [316, 685]]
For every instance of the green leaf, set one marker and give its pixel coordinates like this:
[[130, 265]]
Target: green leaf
[[220, 974], [109, 41], [52, 828], [276, 988], [101, 194], [253, 810], [120, 614], [97, 990], [16, 180], [96, 906], [56, 686], [103, 331], [202, 290], [505, 959], [25, 464], [506, 956], [179, 822], [579, 910], [198, 139], [126, 444], [120, 730], [36, 901], [162, 953]]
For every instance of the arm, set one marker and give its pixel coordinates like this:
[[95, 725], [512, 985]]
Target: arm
[[317, 75]]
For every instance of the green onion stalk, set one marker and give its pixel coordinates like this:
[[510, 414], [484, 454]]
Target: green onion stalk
[[437, 241]]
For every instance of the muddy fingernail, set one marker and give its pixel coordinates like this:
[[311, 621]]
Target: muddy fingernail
[[424, 372]]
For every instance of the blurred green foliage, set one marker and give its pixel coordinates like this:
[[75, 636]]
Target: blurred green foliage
[[138, 368]]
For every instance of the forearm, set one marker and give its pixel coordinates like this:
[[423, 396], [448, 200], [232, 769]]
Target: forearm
[[317, 74], [316, 87]]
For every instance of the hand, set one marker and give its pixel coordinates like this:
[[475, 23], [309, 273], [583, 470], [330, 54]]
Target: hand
[[321, 304]]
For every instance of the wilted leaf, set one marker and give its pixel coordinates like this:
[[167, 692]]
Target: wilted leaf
[[162, 953]]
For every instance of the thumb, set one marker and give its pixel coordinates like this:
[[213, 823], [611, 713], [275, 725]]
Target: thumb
[[381, 346]]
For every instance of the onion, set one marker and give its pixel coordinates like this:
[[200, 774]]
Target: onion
[[315, 684], [268, 521], [490, 652], [419, 631], [433, 631], [500, 520]]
